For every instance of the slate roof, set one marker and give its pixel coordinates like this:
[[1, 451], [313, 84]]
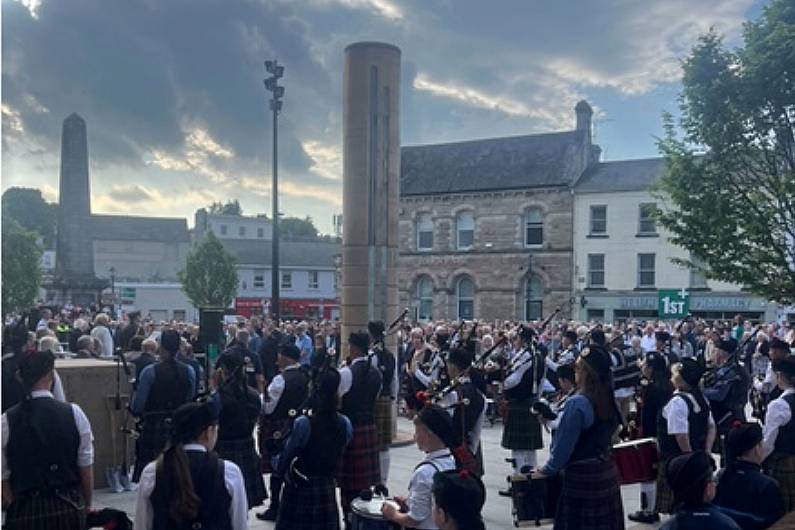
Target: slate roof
[[533, 161], [129, 228], [291, 253], [621, 175]]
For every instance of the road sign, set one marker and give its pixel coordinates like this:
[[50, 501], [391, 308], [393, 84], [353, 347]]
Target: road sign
[[673, 304]]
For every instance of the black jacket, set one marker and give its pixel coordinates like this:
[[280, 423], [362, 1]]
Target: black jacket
[[743, 487]]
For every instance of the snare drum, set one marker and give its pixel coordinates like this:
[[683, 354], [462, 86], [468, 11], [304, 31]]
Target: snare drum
[[534, 500], [366, 515], [636, 460]]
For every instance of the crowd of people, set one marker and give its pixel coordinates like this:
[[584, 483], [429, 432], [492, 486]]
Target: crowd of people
[[311, 411]]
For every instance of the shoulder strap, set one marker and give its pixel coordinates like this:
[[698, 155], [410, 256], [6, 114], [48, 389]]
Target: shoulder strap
[[691, 401]]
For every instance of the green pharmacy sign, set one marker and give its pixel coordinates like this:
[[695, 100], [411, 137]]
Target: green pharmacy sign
[[672, 304]]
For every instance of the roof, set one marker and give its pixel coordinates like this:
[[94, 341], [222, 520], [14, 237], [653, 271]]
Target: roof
[[622, 175], [128, 228], [533, 161], [317, 253]]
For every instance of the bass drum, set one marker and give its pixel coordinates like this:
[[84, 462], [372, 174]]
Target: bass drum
[[366, 515]]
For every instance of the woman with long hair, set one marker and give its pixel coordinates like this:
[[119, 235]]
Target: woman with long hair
[[458, 497], [188, 486], [309, 460], [590, 494], [240, 408]]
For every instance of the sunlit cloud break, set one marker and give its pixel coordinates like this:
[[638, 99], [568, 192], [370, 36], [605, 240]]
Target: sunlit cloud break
[[472, 97], [326, 159]]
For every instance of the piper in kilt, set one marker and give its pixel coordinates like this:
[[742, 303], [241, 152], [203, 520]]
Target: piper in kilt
[[387, 365], [309, 459], [685, 424], [360, 383], [45, 484], [240, 407], [590, 494], [162, 387], [779, 431], [286, 397], [522, 432]]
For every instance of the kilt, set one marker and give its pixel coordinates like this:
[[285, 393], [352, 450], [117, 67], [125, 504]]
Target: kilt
[[590, 497], [782, 468], [265, 431], [242, 453], [359, 467], [522, 431], [46, 512], [154, 437], [665, 496], [311, 506], [383, 422]]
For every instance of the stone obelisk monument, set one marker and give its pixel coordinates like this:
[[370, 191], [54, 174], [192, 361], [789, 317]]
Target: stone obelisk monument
[[371, 168]]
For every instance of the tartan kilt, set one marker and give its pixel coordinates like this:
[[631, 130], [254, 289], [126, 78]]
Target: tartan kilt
[[242, 453], [266, 429], [46, 512], [359, 467], [155, 435], [383, 422], [311, 506], [590, 497], [665, 501], [522, 431], [782, 468]]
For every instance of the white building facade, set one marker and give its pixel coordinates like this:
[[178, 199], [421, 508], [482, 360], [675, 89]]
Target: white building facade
[[622, 257]]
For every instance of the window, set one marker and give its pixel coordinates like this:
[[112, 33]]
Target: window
[[179, 314], [647, 224], [645, 270], [465, 291], [596, 315], [260, 233], [425, 232], [698, 278], [259, 278], [425, 297], [241, 231], [287, 280], [534, 296], [313, 280], [465, 230], [596, 270], [598, 220], [223, 230], [534, 227]]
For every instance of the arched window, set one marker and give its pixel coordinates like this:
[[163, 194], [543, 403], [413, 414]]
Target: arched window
[[465, 230], [534, 298], [424, 232], [425, 298], [465, 295], [534, 227]]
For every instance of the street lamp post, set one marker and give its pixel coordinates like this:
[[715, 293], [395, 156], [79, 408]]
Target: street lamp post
[[271, 85], [112, 271]]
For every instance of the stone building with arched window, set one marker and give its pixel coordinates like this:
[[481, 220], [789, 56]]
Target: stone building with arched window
[[486, 225]]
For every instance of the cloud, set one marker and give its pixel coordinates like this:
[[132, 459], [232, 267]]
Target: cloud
[[201, 155], [326, 159], [471, 96]]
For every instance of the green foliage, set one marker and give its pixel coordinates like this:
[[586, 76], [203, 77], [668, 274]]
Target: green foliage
[[294, 227], [21, 267], [210, 277], [28, 208], [729, 192], [230, 208]]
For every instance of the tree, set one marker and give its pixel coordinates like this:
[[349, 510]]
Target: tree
[[210, 277], [230, 208], [21, 267], [294, 227], [729, 191], [28, 208]]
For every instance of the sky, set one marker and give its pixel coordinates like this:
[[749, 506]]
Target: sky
[[178, 117]]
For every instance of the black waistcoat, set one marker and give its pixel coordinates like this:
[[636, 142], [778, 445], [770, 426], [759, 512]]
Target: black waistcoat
[[785, 441], [386, 364], [470, 411], [322, 452], [296, 383], [35, 462], [596, 439], [171, 387], [697, 426], [359, 403], [239, 414], [528, 386], [207, 472]]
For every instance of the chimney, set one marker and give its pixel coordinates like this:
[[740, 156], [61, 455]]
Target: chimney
[[584, 113]]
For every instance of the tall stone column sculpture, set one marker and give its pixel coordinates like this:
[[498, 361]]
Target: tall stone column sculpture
[[371, 168]]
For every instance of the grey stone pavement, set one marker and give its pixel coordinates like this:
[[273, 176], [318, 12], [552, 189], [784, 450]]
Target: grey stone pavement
[[496, 512]]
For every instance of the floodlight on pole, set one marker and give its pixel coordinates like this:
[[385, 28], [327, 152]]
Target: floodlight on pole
[[277, 93]]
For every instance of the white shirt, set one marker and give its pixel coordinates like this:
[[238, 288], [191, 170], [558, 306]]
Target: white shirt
[[769, 382], [419, 501], [778, 415], [105, 339], [233, 479], [276, 389], [524, 362], [85, 450], [648, 343], [675, 413], [346, 377]]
